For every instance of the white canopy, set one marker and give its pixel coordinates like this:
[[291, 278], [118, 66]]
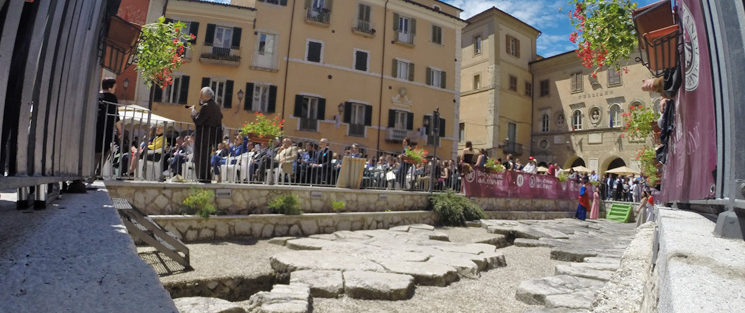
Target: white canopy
[[135, 114]]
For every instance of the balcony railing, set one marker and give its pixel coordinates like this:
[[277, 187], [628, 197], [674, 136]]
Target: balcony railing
[[407, 38], [264, 62], [357, 130], [315, 15], [364, 27], [512, 148], [310, 124], [219, 55]]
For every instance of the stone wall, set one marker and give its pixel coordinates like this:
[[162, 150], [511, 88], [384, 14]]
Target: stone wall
[[191, 228], [156, 198], [513, 204]]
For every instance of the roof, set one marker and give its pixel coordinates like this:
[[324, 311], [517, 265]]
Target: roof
[[450, 5], [496, 10], [553, 57], [222, 4], [433, 9]]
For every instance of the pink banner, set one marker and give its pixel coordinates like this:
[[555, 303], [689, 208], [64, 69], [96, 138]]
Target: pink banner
[[520, 185]]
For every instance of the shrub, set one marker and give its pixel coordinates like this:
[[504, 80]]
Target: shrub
[[200, 202], [338, 206], [563, 177], [286, 204], [454, 210]]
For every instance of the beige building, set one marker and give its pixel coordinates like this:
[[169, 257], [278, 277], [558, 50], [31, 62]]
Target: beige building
[[496, 83], [577, 119], [369, 72]]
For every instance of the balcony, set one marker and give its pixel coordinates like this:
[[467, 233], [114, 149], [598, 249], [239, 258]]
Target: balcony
[[364, 28], [264, 62], [357, 130], [512, 148], [398, 135], [318, 16], [405, 38], [220, 56], [309, 124]]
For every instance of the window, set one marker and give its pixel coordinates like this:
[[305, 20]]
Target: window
[[513, 46], [279, 2], [461, 132], [403, 70], [223, 90], [614, 116], [437, 34], [177, 92], [318, 11], [560, 119], [261, 98], [361, 61], [357, 120], [265, 56], [405, 28], [314, 52], [433, 130], [512, 132], [363, 18], [577, 120], [266, 44], [614, 77], [577, 82], [528, 89], [544, 88], [436, 77], [309, 109], [476, 81], [513, 83], [545, 120], [223, 37], [477, 45]]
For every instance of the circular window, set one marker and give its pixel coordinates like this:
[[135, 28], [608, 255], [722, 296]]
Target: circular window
[[560, 119], [595, 116], [543, 144]]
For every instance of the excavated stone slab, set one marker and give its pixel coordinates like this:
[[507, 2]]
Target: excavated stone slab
[[473, 223], [293, 298], [536, 291], [571, 253], [422, 227], [601, 275], [306, 244], [323, 284], [439, 236], [206, 305], [595, 266], [346, 234], [280, 241], [323, 236], [524, 242], [286, 262], [490, 260], [404, 228], [557, 310], [575, 300], [500, 241], [551, 233], [461, 262], [604, 260], [424, 273], [378, 286]]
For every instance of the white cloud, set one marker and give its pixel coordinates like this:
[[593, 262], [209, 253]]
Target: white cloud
[[537, 13], [553, 44]]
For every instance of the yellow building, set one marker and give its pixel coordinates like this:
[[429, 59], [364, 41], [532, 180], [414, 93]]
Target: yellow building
[[578, 119], [496, 83], [369, 72]]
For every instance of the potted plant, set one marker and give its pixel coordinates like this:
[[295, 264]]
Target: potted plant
[[657, 36], [263, 130], [648, 161], [604, 34], [492, 166], [414, 156], [640, 122]]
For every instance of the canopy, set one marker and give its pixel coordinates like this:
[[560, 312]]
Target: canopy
[[581, 169], [623, 170], [542, 169], [136, 114]]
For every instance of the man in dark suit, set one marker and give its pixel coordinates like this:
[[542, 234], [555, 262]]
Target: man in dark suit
[[208, 122], [322, 169]]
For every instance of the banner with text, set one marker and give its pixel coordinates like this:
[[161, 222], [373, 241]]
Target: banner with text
[[520, 185]]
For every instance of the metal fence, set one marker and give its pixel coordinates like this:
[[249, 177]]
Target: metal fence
[[170, 151]]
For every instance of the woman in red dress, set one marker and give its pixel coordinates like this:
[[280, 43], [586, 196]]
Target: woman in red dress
[[584, 201]]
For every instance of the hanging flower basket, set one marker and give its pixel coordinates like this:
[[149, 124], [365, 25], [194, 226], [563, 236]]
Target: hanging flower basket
[[259, 138], [263, 129], [658, 36]]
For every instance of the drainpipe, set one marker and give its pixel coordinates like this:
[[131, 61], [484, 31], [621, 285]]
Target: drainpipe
[[287, 63], [382, 70]]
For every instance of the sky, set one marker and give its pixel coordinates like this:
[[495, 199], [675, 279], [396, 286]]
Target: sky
[[548, 16]]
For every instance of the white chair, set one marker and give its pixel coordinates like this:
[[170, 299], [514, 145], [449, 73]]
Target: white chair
[[244, 165], [229, 172], [153, 172]]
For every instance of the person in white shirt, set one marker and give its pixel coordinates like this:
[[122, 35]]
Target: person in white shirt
[[531, 167], [594, 176]]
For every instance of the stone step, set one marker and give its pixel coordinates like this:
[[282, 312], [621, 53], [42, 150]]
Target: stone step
[[532, 243], [292, 298], [378, 286], [575, 300], [536, 291], [206, 305], [323, 284], [601, 275]]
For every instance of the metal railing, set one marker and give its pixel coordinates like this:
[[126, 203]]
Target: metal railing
[[357, 130], [317, 15], [170, 151], [364, 27]]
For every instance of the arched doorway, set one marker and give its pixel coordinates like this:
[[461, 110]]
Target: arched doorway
[[575, 162], [617, 162]]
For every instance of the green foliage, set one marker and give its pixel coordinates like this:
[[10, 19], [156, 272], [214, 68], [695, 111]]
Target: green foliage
[[264, 127], [159, 51], [639, 122], [605, 33], [493, 166], [648, 160], [338, 206], [594, 183], [453, 209], [200, 202], [563, 177], [286, 204]]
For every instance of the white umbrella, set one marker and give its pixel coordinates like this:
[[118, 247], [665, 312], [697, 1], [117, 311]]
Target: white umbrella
[[581, 169], [623, 170]]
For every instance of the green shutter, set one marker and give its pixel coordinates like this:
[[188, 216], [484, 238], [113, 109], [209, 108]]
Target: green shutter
[[184, 92], [209, 35], [321, 110], [347, 112], [413, 25], [395, 68], [307, 3], [442, 127], [395, 21], [391, 118], [429, 76], [443, 80], [228, 101], [329, 5], [249, 97], [409, 121], [272, 107], [236, 42], [411, 72], [298, 106], [368, 115]]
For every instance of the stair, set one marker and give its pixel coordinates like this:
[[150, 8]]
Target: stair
[[619, 212]]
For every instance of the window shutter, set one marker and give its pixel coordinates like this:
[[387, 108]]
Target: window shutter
[[391, 118], [329, 5], [413, 26], [517, 47], [321, 109], [158, 96], [442, 127], [429, 76], [368, 115], [283, 2], [248, 105], [205, 82], [209, 36], [307, 3], [184, 90], [298, 106], [427, 124], [361, 60], [193, 30], [272, 107], [410, 121], [396, 17], [443, 80], [507, 43], [236, 38], [411, 72], [395, 68], [228, 100], [347, 112]]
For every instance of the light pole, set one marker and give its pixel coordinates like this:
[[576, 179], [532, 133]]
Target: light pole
[[435, 133]]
